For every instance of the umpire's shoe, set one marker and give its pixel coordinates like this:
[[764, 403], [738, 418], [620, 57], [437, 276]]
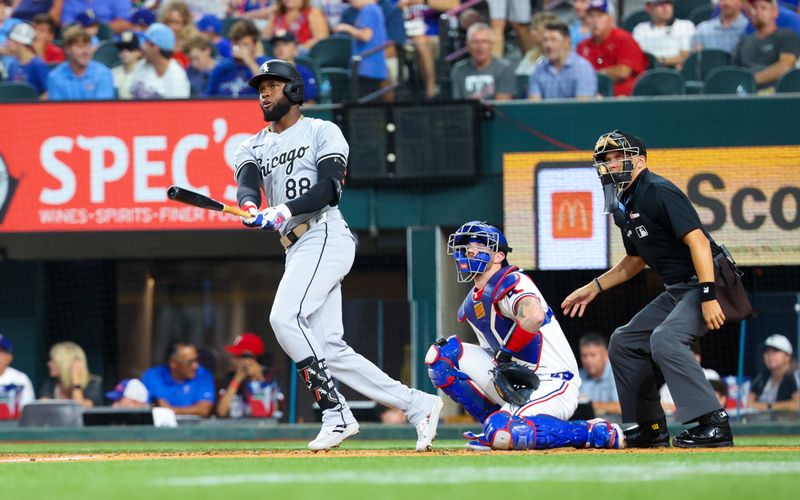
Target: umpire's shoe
[[331, 436], [647, 435], [713, 431]]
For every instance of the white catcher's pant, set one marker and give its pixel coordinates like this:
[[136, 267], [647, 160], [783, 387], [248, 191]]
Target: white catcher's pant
[[555, 397], [307, 319]]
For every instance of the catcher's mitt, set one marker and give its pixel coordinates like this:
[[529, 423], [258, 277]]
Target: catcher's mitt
[[514, 382]]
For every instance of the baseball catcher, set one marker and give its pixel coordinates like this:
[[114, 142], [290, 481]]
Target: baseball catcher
[[521, 383]]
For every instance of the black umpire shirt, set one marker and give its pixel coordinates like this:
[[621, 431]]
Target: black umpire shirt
[[654, 216]]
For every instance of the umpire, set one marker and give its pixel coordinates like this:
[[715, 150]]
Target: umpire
[[661, 229]]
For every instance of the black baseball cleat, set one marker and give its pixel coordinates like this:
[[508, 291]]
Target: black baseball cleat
[[713, 431], [652, 435]]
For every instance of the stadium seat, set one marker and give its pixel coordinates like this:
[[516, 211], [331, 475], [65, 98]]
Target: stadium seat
[[701, 13], [340, 83], [730, 80], [605, 86], [522, 86], [699, 64], [652, 62], [226, 25], [267, 46], [17, 91], [634, 18], [107, 53], [104, 32], [52, 413], [658, 81], [333, 52], [684, 8], [790, 82], [310, 64]]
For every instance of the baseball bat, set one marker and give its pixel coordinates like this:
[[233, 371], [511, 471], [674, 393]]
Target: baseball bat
[[190, 197]]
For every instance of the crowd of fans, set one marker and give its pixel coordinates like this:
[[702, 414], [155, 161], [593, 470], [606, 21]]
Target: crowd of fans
[[180, 385], [182, 48]]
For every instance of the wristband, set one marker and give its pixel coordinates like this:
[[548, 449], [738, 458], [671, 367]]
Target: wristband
[[597, 283], [77, 386], [707, 291]]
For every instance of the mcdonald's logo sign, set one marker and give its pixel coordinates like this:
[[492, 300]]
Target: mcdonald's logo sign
[[572, 214]]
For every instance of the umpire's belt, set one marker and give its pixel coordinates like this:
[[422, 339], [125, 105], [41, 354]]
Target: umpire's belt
[[291, 237]]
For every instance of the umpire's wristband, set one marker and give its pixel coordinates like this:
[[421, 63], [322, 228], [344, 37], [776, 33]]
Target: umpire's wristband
[[707, 291]]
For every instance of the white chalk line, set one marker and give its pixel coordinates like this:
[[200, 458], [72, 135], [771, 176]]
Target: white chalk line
[[619, 473]]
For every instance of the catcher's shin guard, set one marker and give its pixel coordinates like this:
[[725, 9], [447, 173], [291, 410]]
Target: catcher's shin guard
[[511, 432], [442, 360], [315, 374]]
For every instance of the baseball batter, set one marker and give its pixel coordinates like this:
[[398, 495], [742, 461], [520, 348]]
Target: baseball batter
[[300, 163], [514, 326]]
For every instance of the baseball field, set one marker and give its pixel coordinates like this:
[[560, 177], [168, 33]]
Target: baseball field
[[758, 467]]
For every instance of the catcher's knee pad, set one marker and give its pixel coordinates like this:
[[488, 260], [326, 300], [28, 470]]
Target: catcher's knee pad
[[538, 432], [442, 360], [604, 434]]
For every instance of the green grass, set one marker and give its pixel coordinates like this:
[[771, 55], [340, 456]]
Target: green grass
[[589, 475]]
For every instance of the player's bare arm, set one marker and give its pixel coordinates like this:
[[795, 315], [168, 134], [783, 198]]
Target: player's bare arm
[[530, 314], [702, 259], [576, 302]]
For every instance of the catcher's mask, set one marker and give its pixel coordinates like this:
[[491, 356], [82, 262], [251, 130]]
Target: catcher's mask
[[480, 235], [617, 140]]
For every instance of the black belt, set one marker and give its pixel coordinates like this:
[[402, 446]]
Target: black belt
[[292, 236]]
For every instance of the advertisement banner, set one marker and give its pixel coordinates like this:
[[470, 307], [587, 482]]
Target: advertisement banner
[[106, 166], [748, 198]]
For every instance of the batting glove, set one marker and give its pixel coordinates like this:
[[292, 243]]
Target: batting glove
[[273, 218], [252, 209]]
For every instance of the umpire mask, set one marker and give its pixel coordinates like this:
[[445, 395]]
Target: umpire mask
[[617, 141]]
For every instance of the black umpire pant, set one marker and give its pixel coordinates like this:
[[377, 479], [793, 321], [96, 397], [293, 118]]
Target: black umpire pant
[[654, 347]]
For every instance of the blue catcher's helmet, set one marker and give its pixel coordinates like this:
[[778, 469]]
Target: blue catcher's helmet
[[468, 234]]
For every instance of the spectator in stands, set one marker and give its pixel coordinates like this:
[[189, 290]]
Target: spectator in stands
[[199, 8], [6, 23], [368, 32], [787, 18], [561, 73], [250, 390], [210, 27], [306, 23], [422, 27], [776, 387], [141, 20], [597, 378], [284, 46], [181, 384], [230, 76], [79, 77], [611, 50], [16, 389], [711, 375], [332, 10], [129, 393], [770, 52], [667, 38], [260, 12], [113, 13], [27, 10], [89, 21], [70, 377], [201, 64], [45, 27], [723, 31], [177, 16], [27, 67], [395, 31], [579, 27], [129, 53], [517, 13], [157, 75], [482, 75], [721, 391], [532, 57]]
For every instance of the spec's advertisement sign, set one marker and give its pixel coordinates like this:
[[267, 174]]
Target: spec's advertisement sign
[[747, 197], [106, 166]]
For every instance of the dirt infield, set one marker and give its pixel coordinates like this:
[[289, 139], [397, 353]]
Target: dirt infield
[[56, 457]]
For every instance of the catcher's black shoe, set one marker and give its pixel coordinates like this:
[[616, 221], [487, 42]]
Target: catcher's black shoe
[[650, 435], [713, 431]]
